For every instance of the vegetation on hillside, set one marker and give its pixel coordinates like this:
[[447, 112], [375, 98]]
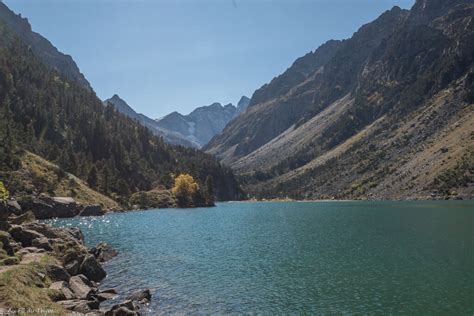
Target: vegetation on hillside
[[4, 194], [68, 125]]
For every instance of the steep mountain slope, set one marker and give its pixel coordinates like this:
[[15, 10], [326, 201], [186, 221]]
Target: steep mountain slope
[[204, 122], [59, 120], [388, 114], [42, 48], [36, 173], [169, 136], [298, 94]]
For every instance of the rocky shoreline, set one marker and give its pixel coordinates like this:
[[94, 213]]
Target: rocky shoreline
[[51, 268]]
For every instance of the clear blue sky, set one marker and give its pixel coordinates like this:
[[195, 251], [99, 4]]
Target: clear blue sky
[[174, 55]]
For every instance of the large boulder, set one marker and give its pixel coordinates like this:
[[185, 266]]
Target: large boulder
[[80, 287], [57, 273], [45, 207], [92, 269], [141, 296], [126, 308], [80, 306], [75, 233], [92, 210], [27, 217], [43, 229], [42, 242], [104, 252], [72, 267], [63, 288], [24, 236], [14, 207]]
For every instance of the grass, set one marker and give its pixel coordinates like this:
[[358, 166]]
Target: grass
[[24, 288], [36, 172]]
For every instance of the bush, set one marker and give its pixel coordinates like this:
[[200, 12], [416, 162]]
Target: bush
[[4, 194]]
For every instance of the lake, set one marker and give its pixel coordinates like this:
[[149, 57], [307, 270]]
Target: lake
[[413, 257]]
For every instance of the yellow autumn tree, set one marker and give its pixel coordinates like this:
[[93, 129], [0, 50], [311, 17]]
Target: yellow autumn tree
[[4, 195], [184, 189]]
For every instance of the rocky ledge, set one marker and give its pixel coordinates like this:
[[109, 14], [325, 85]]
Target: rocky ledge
[[46, 207], [66, 273]]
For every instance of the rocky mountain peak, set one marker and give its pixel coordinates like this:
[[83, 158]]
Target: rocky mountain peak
[[424, 11], [243, 104]]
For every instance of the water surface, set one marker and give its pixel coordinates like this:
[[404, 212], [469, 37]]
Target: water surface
[[290, 257]]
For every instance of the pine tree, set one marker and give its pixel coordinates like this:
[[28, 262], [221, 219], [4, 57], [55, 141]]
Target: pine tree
[[92, 177], [209, 193]]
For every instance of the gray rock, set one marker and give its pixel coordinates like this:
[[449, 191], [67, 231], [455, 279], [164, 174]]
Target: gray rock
[[14, 207], [92, 210], [57, 273], [43, 229], [80, 306], [111, 291], [27, 217], [76, 233], [104, 252], [105, 296], [46, 207], [64, 288], [91, 268], [25, 236], [142, 296], [72, 267], [79, 287], [42, 242], [125, 308], [63, 200], [85, 280], [121, 311]]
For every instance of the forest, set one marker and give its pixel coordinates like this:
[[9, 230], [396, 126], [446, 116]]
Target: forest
[[42, 112]]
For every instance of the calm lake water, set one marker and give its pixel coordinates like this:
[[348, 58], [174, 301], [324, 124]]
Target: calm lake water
[[290, 257]]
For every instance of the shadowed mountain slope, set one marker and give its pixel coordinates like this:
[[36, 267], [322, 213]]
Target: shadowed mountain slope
[[384, 114]]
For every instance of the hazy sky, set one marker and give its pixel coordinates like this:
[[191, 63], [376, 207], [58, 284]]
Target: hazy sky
[[163, 56]]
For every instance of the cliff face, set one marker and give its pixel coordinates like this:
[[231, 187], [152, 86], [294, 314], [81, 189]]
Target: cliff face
[[371, 116], [42, 48]]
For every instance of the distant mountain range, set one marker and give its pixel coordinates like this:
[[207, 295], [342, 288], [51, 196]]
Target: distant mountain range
[[192, 130], [386, 114]]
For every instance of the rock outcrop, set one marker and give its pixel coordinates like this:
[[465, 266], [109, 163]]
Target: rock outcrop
[[70, 270]]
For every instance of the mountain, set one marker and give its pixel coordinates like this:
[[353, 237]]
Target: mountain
[[193, 130], [169, 136], [42, 48], [45, 113], [204, 122], [385, 114], [242, 104]]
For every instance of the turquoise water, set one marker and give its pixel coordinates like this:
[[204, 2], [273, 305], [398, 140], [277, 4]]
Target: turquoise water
[[290, 257]]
